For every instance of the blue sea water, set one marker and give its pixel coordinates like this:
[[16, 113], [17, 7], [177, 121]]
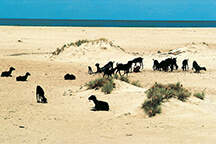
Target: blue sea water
[[105, 23]]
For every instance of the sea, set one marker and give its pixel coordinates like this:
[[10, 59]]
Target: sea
[[105, 23]]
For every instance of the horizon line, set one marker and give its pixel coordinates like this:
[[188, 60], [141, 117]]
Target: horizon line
[[108, 20]]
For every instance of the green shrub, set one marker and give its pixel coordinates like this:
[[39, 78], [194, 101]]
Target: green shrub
[[200, 95], [158, 93], [151, 108], [116, 76], [80, 42], [106, 84], [124, 78], [136, 83], [108, 87]]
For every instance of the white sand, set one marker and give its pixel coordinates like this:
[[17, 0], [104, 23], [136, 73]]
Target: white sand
[[67, 117]]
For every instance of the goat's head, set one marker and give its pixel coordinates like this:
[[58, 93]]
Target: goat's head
[[92, 97]]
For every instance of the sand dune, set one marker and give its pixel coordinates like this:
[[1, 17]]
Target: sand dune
[[67, 117]]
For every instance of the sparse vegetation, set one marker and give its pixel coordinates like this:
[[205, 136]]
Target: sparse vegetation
[[106, 84], [108, 87], [116, 76], [80, 42], [158, 93], [136, 83], [125, 79], [200, 95]]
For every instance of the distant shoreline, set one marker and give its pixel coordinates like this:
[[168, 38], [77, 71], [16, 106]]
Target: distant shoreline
[[105, 23]]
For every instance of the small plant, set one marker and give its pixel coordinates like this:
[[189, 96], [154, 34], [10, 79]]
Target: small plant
[[124, 78], [136, 83], [116, 76], [158, 93], [80, 42], [108, 87], [200, 95], [106, 84], [151, 108]]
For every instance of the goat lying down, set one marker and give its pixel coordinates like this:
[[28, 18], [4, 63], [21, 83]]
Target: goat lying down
[[7, 73], [40, 95], [99, 105], [23, 78], [69, 77]]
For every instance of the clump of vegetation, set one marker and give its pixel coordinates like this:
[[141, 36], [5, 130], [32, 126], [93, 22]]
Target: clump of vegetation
[[106, 84], [136, 83], [158, 93], [80, 42], [116, 76], [200, 95], [108, 87], [125, 79]]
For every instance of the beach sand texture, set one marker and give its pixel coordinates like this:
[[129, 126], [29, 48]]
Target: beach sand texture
[[67, 118]]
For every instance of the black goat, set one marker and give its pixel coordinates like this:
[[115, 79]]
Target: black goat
[[90, 70], [40, 95], [23, 78], [163, 65], [99, 105], [168, 63], [98, 68], [185, 65], [171, 62], [124, 67], [138, 60], [156, 65], [7, 73], [109, 72], [197, 67], [106, 66], [69, 77]]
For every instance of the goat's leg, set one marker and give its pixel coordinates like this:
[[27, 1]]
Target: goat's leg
[[38, 98]]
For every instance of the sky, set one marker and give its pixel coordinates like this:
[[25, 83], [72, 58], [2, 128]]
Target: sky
[[109, 9]]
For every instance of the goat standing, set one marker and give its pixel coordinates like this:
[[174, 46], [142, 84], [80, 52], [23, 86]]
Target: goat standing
[[40, 95], [185, 65]]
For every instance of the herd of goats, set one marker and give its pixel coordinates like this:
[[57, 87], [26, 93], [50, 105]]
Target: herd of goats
[[164, 65], [108, 70]]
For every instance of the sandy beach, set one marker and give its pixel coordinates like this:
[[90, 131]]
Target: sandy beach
[[67, 117]]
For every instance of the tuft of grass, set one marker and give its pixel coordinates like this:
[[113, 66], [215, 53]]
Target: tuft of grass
[[116, 76], [125, 79], [106, 84], [136, 83], [200, 95], [158, 93], [108, 87], [80, 42], [151, 107]]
